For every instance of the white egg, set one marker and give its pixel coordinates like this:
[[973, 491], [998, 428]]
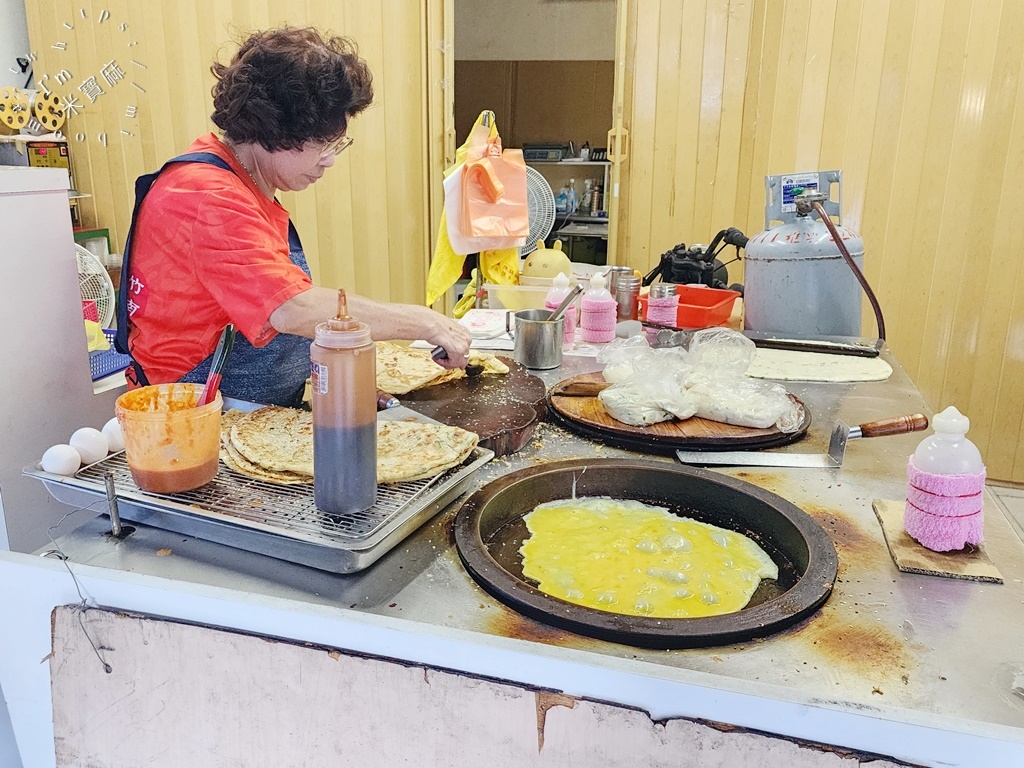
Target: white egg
[[115, 438], [90, 444], [61, 460]]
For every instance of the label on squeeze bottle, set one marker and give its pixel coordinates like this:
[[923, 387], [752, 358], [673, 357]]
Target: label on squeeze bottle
[[318, 378]]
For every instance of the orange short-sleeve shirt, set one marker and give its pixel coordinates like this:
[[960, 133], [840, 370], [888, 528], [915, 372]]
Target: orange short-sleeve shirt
[[208, 249]]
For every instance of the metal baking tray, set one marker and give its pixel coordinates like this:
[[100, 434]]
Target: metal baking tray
[[274, 520]]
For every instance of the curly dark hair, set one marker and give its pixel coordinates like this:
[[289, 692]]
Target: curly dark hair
[[287, 86]]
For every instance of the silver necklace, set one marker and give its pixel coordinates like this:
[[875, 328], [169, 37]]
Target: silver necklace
[[244, 167]]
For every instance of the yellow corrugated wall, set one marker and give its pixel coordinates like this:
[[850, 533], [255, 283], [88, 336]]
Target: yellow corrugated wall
[[365, 224], [916, 102]]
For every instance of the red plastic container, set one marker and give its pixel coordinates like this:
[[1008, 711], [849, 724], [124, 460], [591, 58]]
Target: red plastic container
[[699, 307]]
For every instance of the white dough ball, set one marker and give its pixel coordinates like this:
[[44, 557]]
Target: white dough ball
[[61, 460], [90, 444], [619, 372], [112, 431]]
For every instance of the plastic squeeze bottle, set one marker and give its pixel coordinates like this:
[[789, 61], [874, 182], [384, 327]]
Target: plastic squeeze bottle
[[945, 486], [571, 201], [598, 312], [343, 364], [559, 290]]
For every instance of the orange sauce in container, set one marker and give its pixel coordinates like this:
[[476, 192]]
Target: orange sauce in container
[[170, 445]]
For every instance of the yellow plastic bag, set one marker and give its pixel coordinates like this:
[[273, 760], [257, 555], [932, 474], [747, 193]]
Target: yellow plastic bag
[[95, 337], [445, 267], [468, 300], [497, 266]]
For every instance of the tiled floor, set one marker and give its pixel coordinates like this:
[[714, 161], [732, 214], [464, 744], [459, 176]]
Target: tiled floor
[[1012, 502]]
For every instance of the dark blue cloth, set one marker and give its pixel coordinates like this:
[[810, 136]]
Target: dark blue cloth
[[274, 374]]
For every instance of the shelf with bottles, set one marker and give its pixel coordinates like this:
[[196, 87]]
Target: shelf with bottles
[[560, 174], [568, 162]]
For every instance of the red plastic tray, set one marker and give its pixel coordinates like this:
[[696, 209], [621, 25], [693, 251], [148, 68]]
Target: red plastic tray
[[699, 307]]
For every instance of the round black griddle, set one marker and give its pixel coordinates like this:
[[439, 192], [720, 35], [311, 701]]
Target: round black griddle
[[489, 531]]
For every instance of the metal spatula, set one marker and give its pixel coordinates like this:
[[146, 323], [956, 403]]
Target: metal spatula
[[472, 369], [841, 435]]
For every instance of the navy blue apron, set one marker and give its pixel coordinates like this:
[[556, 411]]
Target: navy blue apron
[[274, 374]]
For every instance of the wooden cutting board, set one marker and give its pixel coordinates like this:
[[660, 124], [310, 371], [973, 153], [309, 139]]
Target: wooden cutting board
[[587, 416], [503, 410]]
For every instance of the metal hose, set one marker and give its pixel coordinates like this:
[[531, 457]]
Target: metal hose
[[879, 320]]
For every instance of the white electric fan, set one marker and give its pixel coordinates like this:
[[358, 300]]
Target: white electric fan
[[95, 285], [540, 204]]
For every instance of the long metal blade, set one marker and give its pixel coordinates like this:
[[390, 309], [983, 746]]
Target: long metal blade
[[756, 459]]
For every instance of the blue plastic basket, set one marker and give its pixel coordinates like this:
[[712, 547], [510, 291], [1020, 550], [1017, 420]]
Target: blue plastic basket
[[107, 361]]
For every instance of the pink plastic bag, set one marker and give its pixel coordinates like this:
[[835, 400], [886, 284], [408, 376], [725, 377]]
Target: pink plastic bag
[[494, 193]]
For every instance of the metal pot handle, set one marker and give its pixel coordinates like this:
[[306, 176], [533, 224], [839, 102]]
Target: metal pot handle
[[508, 330]]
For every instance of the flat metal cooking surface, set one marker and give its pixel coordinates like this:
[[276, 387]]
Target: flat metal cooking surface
[[276, 520], [283, 509], [279, 521]]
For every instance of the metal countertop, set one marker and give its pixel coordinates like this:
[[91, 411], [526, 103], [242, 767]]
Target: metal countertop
[[924, 646]]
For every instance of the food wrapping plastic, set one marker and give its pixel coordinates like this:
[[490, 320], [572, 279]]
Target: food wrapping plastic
[[707, 380]]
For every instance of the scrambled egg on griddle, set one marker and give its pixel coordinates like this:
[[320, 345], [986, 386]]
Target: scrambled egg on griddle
[[631, 558]]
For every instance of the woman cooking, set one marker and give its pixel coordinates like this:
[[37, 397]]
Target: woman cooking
[[210, 245]]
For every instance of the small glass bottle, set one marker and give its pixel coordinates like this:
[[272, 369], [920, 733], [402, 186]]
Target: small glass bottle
[[598, 310], [559, 290], [588, 186], [343, 366]]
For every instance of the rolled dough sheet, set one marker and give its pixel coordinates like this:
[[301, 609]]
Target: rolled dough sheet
[[787, 365]]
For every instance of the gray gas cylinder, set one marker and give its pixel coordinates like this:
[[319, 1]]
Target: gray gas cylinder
[[796, 280]]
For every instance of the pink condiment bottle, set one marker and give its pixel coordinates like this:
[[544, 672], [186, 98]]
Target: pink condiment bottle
[[559, 290], [598, 312]]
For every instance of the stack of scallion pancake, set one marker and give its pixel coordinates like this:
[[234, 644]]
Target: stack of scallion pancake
[[275, 444]]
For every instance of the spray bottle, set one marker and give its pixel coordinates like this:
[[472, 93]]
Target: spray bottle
[[343, 365]]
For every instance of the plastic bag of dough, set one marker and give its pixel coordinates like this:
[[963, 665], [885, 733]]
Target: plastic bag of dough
[[722, 350], [743, 402], [645, 399], [623, 358]]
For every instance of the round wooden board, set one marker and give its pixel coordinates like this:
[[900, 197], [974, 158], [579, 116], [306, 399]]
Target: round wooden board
[[587, 416], [503, 410]]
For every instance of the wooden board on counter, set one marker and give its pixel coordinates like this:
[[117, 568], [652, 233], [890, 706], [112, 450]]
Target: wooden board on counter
[[503, 410], [970, 564], [584, 413]]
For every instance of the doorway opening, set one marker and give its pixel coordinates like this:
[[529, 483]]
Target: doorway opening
[[547, 71]]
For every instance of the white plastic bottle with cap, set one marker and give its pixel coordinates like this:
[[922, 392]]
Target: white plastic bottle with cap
[[948, 451], [598, 312], [559, 290]]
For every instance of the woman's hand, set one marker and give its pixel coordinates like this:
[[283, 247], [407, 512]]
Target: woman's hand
[[454, 337], [301, 313]]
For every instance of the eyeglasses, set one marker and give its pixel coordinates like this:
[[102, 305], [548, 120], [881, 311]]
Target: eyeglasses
[[337, 147]]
